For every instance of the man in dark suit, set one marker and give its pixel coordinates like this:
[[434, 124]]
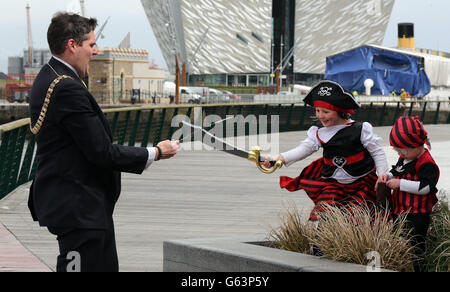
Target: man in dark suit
[[77, 182]]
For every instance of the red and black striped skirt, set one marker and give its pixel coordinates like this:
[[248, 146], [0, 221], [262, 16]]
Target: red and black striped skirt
[[324, 192]]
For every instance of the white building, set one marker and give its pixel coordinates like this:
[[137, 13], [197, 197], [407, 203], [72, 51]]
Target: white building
[[237, 42]]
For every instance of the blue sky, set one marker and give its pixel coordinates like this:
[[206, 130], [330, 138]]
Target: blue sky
[[430, 18]]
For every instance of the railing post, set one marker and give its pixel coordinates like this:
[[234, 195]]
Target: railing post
[[422, 118], [369, 114], [288, 122], [266, 109], [381, 120], [356, 115], [436, 115], [114, 124], [302, 118], [160, 129], [397, 111], [227, 112], [124, 130], [188, 114], [132, 141], [410, 109], [170, 132], [247, 126], [213, 110], [27, 160], [9, 160], [146, 137], [240, 108], [33, 169], [16, 158], [3, 164]]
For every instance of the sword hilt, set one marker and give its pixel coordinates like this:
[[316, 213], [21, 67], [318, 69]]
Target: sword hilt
[[255, 156]]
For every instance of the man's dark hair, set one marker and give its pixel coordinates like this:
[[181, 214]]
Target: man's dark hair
[[66, 26]]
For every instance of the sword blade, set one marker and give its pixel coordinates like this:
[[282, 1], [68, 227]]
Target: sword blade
[[219, 144], [185, 139]]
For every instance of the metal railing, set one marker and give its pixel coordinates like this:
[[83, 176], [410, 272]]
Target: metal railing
[[17, 165], [148, 125]]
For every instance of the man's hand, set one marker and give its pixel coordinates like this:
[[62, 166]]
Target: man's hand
[[168, 149]]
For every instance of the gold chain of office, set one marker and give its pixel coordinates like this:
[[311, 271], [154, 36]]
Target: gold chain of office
[[37, 127]]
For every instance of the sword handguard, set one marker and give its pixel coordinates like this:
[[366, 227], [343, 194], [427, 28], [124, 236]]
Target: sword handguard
[[254, 156]]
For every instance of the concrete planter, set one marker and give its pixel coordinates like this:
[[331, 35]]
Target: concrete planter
[[228, 255]]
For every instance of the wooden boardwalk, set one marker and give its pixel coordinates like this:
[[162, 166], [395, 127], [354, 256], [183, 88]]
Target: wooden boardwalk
[[14, 257], [197, 194]]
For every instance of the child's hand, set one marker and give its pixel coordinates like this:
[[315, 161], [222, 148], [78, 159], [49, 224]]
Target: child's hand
[[266, 163], [393, 184], [381, 179]]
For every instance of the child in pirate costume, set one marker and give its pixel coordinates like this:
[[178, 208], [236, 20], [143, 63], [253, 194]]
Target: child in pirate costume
[[346, 174], [413, 180]]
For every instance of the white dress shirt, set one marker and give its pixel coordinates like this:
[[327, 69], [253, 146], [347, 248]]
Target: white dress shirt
[[68, 65]]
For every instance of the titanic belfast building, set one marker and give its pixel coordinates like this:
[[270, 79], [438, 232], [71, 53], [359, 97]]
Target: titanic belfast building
[[241, 42]]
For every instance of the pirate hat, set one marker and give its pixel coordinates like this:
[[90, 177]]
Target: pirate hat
[[408, 132], [330, 95]]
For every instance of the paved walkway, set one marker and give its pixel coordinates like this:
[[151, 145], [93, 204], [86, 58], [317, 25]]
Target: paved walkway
[[14, 257], [198, 194]]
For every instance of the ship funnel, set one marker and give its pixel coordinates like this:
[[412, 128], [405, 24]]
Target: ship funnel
[[406, 36]]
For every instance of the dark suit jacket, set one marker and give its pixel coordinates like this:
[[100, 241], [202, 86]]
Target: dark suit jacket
[[77, 182]]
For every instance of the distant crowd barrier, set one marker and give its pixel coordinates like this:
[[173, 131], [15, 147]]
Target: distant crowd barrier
[[147, 125]]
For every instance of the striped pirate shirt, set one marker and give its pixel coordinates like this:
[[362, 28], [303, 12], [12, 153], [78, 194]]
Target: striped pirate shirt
[[423, 170]]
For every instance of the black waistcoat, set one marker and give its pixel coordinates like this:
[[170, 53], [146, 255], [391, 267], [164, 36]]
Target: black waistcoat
[[345, 151]]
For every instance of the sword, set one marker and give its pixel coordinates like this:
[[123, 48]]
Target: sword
[[219, 144], [193, 127]]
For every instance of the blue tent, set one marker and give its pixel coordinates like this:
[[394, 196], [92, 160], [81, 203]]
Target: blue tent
[[389, 69]]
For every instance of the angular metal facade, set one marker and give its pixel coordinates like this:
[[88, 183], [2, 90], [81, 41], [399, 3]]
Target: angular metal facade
[[214, 37], [159, 15], [234, 36], [327, 27]]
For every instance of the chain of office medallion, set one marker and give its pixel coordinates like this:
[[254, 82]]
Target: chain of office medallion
[[37, 127]]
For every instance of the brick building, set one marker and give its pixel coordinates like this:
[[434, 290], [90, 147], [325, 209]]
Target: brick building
[[118, 74]]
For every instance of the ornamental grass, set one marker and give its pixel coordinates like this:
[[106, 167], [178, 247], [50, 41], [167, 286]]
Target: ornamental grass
[[347, 235], [437, 255], [294, 232]]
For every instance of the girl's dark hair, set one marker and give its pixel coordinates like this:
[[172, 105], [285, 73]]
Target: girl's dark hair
[[345, 116], [66, 26]]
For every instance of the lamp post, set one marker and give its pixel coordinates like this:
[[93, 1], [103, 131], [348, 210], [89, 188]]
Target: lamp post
[[177, 81], [271, 69], [171, 32], [113, 82]]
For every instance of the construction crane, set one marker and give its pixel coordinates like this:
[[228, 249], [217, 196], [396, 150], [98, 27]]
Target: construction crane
[[30, 41], [283, 64], [99, 33], [82, 8]]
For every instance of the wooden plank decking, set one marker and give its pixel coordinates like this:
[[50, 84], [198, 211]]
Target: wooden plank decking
[[197, 194]]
